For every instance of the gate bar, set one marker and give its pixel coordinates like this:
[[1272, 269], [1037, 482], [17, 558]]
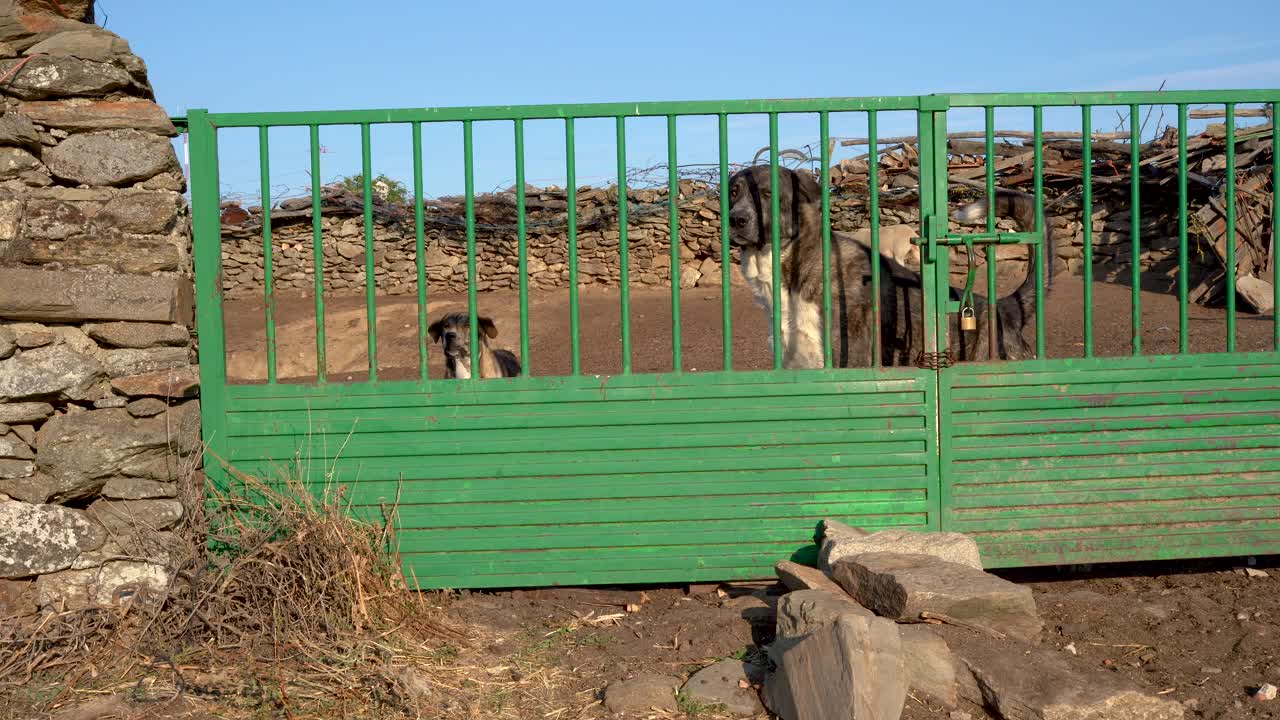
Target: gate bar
[[317, 256], [1086, 169], [624, 247], [268, 274], [370, 291], [1275, 224], [571, 217], [469, 188], [673, 213], [1135, 223], [776, 232], [522, 245], [1184, 342], [824, 139], [420, 252], [1231, 226], [726, 258], [1041, 269], [873, 181], [989, 114]]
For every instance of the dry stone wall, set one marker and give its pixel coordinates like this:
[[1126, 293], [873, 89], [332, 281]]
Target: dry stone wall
[[99, 421], [395, 273]]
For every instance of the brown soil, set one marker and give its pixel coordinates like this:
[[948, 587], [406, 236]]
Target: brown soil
[[700, 325], [1202, 632]]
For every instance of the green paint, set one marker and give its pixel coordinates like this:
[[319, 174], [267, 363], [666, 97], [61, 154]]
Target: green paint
[[682, 477]]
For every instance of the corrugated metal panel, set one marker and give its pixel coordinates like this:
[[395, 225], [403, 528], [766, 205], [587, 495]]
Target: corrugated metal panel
[[608, 480], [1114, 459]]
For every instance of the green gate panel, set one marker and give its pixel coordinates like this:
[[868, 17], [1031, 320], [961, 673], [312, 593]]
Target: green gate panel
[[626, 479], [1113, 459]]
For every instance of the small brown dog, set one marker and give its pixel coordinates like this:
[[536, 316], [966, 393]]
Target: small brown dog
[[454, 331]]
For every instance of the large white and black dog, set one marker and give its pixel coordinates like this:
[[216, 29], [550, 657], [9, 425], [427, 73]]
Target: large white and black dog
[[901, 328]]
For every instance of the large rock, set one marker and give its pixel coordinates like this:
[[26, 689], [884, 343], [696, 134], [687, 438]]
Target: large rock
[[111, 585], [84, 115], [138, 335], [28, 412], [802, 577], [20, 28], [13, 472], [1020, 682], [850, 667], [90, 44], [721, 685], [37, 539], [123, 517], [122, 252], [125, 362], [15, 161], [82, 452], [14, 448], [142, 212], [127, 488], [49, 372], [929, 664], [63, 76], [641, 694], [65, 296], [951, 547], [804, 611], [115, 157], [905, 587], [146, 407], [181, 382], [17, 130], [56, 218]]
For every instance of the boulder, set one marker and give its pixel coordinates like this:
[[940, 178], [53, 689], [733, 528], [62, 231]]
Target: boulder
[[1020, 682], [17, 130], [82, 452], [125, 362], [929, 664], [111, 585], [16, 161], [63, 76], [951, 547], [90, 44], [181, 382], [138, 335], [49, 372], [908, 587], [721, 685], [127, 488], [24, 412], [38, 539], [88, 115], [124, 517], [849, 668], [641, 694], [65, 296], [111, 158], [802, 577], [146, 407]]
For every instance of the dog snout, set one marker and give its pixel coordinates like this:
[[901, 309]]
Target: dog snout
[[737, 220]]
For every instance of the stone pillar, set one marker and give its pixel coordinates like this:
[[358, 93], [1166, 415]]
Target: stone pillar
[[99, 425]]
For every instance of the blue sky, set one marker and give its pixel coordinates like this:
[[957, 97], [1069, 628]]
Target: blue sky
[[235, 55]]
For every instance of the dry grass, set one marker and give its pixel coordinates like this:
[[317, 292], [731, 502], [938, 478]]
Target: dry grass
[[281, 603]]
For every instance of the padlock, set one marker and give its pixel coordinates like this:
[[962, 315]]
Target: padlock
[[967, 320]]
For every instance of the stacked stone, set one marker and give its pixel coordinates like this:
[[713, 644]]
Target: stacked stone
[[99, 425], [598, 243]]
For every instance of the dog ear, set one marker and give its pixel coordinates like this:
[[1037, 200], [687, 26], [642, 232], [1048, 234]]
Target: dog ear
[[488, 327], [435, 329], [806, 203]]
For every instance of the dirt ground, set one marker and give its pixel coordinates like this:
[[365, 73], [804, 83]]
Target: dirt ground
[[600, 330], [1203, 632]]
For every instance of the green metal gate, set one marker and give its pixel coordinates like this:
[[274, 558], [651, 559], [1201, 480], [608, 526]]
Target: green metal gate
[[688, 476]]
